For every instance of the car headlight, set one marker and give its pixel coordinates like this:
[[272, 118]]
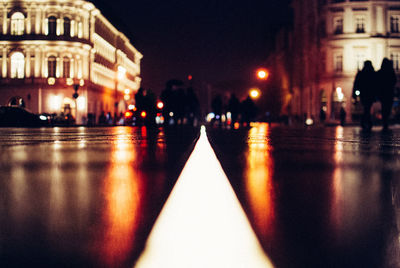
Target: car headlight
[[43, 117]]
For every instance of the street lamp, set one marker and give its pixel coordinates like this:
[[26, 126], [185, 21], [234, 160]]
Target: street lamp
[[262, 74], [254, 93], [160, 105]]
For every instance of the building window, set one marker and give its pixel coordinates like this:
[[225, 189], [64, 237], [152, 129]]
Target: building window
[[17, 65], [52, 66], [394, 24], [52, 28], [66, 67], [80, 29], [338, 25], [360, 24], [338, 63], [17, 23], [67, 27], [395, 57]]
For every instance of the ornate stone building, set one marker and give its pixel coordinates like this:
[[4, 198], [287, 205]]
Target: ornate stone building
[[49, 48], [332, 40]]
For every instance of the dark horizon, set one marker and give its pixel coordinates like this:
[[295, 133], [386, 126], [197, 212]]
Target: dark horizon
[[215, 43]]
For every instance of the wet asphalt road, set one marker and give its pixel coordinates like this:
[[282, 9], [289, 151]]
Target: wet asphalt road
[[319, 197], [88, 197], [84, 197]]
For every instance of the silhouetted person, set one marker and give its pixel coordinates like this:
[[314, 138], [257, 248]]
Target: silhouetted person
[[146, 102], [216, 107], [102, 118], [140, 99], [322, 115], [342, 116], [171, 101], [365, 83], [234, 108], [386, 80], [167, 98], [149, 106], [248, 110]]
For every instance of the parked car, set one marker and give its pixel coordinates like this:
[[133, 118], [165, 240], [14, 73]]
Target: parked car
[[135, 117], [14, 116]]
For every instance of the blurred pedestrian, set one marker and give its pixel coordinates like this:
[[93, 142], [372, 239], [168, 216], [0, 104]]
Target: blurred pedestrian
[[322, 114], [216, 107], [248, 111], [342, 116], [167, 99], [365, 84], [234, 108], [386, 80]]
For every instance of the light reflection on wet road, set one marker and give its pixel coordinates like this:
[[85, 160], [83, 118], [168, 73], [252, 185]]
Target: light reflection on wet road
[[88, 197], [317, 197], [79, 197]]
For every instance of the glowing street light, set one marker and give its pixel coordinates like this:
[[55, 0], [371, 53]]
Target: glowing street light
[[254, 93], [160, 105], [262, 74]]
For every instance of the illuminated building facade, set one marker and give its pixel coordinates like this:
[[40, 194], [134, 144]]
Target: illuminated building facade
[[48, 48], [332, 40]]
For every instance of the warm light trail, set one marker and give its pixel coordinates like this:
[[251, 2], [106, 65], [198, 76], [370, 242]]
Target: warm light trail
[[259, 174], [122, 191], [202, 223]]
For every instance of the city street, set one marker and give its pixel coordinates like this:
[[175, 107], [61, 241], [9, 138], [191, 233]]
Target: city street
[[90, 197]]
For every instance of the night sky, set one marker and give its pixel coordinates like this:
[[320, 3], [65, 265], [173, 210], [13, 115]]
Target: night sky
[[214, 41]]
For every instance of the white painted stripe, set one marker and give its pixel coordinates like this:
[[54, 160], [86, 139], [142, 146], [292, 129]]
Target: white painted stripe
[[202, 223]]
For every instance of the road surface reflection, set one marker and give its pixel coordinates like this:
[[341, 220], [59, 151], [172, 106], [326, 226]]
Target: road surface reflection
[[316, 197], [122, 188], [258, 180], [84, 197]]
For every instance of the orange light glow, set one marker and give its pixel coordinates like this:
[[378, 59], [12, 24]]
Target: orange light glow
[[262, 74], [236, 125], [128, 114], [122, 189], [160, 105], [143, 114], [338, 189], [259, 185], [254, 93]]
